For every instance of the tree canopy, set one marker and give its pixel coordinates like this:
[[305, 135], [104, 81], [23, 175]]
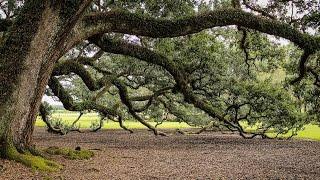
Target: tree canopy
[[244, 66], [221, 73]]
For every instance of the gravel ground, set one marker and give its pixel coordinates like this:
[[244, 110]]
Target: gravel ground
[[120, 155]]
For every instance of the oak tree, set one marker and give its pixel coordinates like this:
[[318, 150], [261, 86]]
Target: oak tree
[[38, 34]]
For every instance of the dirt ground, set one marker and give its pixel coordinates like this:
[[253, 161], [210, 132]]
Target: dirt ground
[[141, 155]]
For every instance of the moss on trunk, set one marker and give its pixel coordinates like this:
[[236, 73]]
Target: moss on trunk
[[35, 41]]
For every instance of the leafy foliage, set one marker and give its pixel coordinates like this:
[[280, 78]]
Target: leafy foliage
[[232, 71]]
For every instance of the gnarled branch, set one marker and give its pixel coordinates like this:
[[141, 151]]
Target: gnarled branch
[[68, 103], [125, 100], [129, 23]]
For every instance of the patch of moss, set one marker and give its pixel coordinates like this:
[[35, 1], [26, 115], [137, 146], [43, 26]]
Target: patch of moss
[[35, 162], [47, 178], [70, 153]]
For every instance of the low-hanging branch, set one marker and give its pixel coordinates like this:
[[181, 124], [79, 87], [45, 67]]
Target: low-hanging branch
[[76, 66], [120, 121], [45, 118], [149, 98], [183, 86], [150, 56], [68, 103], [73, 66], [302, 66], [125, 100]]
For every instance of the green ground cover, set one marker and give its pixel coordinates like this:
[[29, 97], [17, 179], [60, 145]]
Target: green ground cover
[[89, 118]]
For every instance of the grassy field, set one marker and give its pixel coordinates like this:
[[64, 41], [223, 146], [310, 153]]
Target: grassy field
[[309, 132], [89, 118]]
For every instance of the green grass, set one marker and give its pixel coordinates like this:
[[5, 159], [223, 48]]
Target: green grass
[[89, 118], [310, 131]]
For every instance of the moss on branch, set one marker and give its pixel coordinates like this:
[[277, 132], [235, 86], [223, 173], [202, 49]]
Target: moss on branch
[[68, 103], [126, 22], [71, 66]]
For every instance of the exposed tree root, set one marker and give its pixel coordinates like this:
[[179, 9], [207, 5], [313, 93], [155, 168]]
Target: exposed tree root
[[70, 153], [181, 132], [36, 152], [32, 161]]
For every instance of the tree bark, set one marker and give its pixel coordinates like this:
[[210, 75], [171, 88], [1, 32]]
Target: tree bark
[[36, 40]]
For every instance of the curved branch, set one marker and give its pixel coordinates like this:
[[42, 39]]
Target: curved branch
[[100, 125], [302, 67], [144, 54], [316, 76], [129, 23], [150, 56], [76, 66], [71, 66], [68, 103], [125, 100], [178, 74], [120, 120], [149, 98], [77, 120], [45, 118]]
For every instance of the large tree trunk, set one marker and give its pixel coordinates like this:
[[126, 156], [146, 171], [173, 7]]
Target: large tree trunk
[[26, 50], [37, 39]]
